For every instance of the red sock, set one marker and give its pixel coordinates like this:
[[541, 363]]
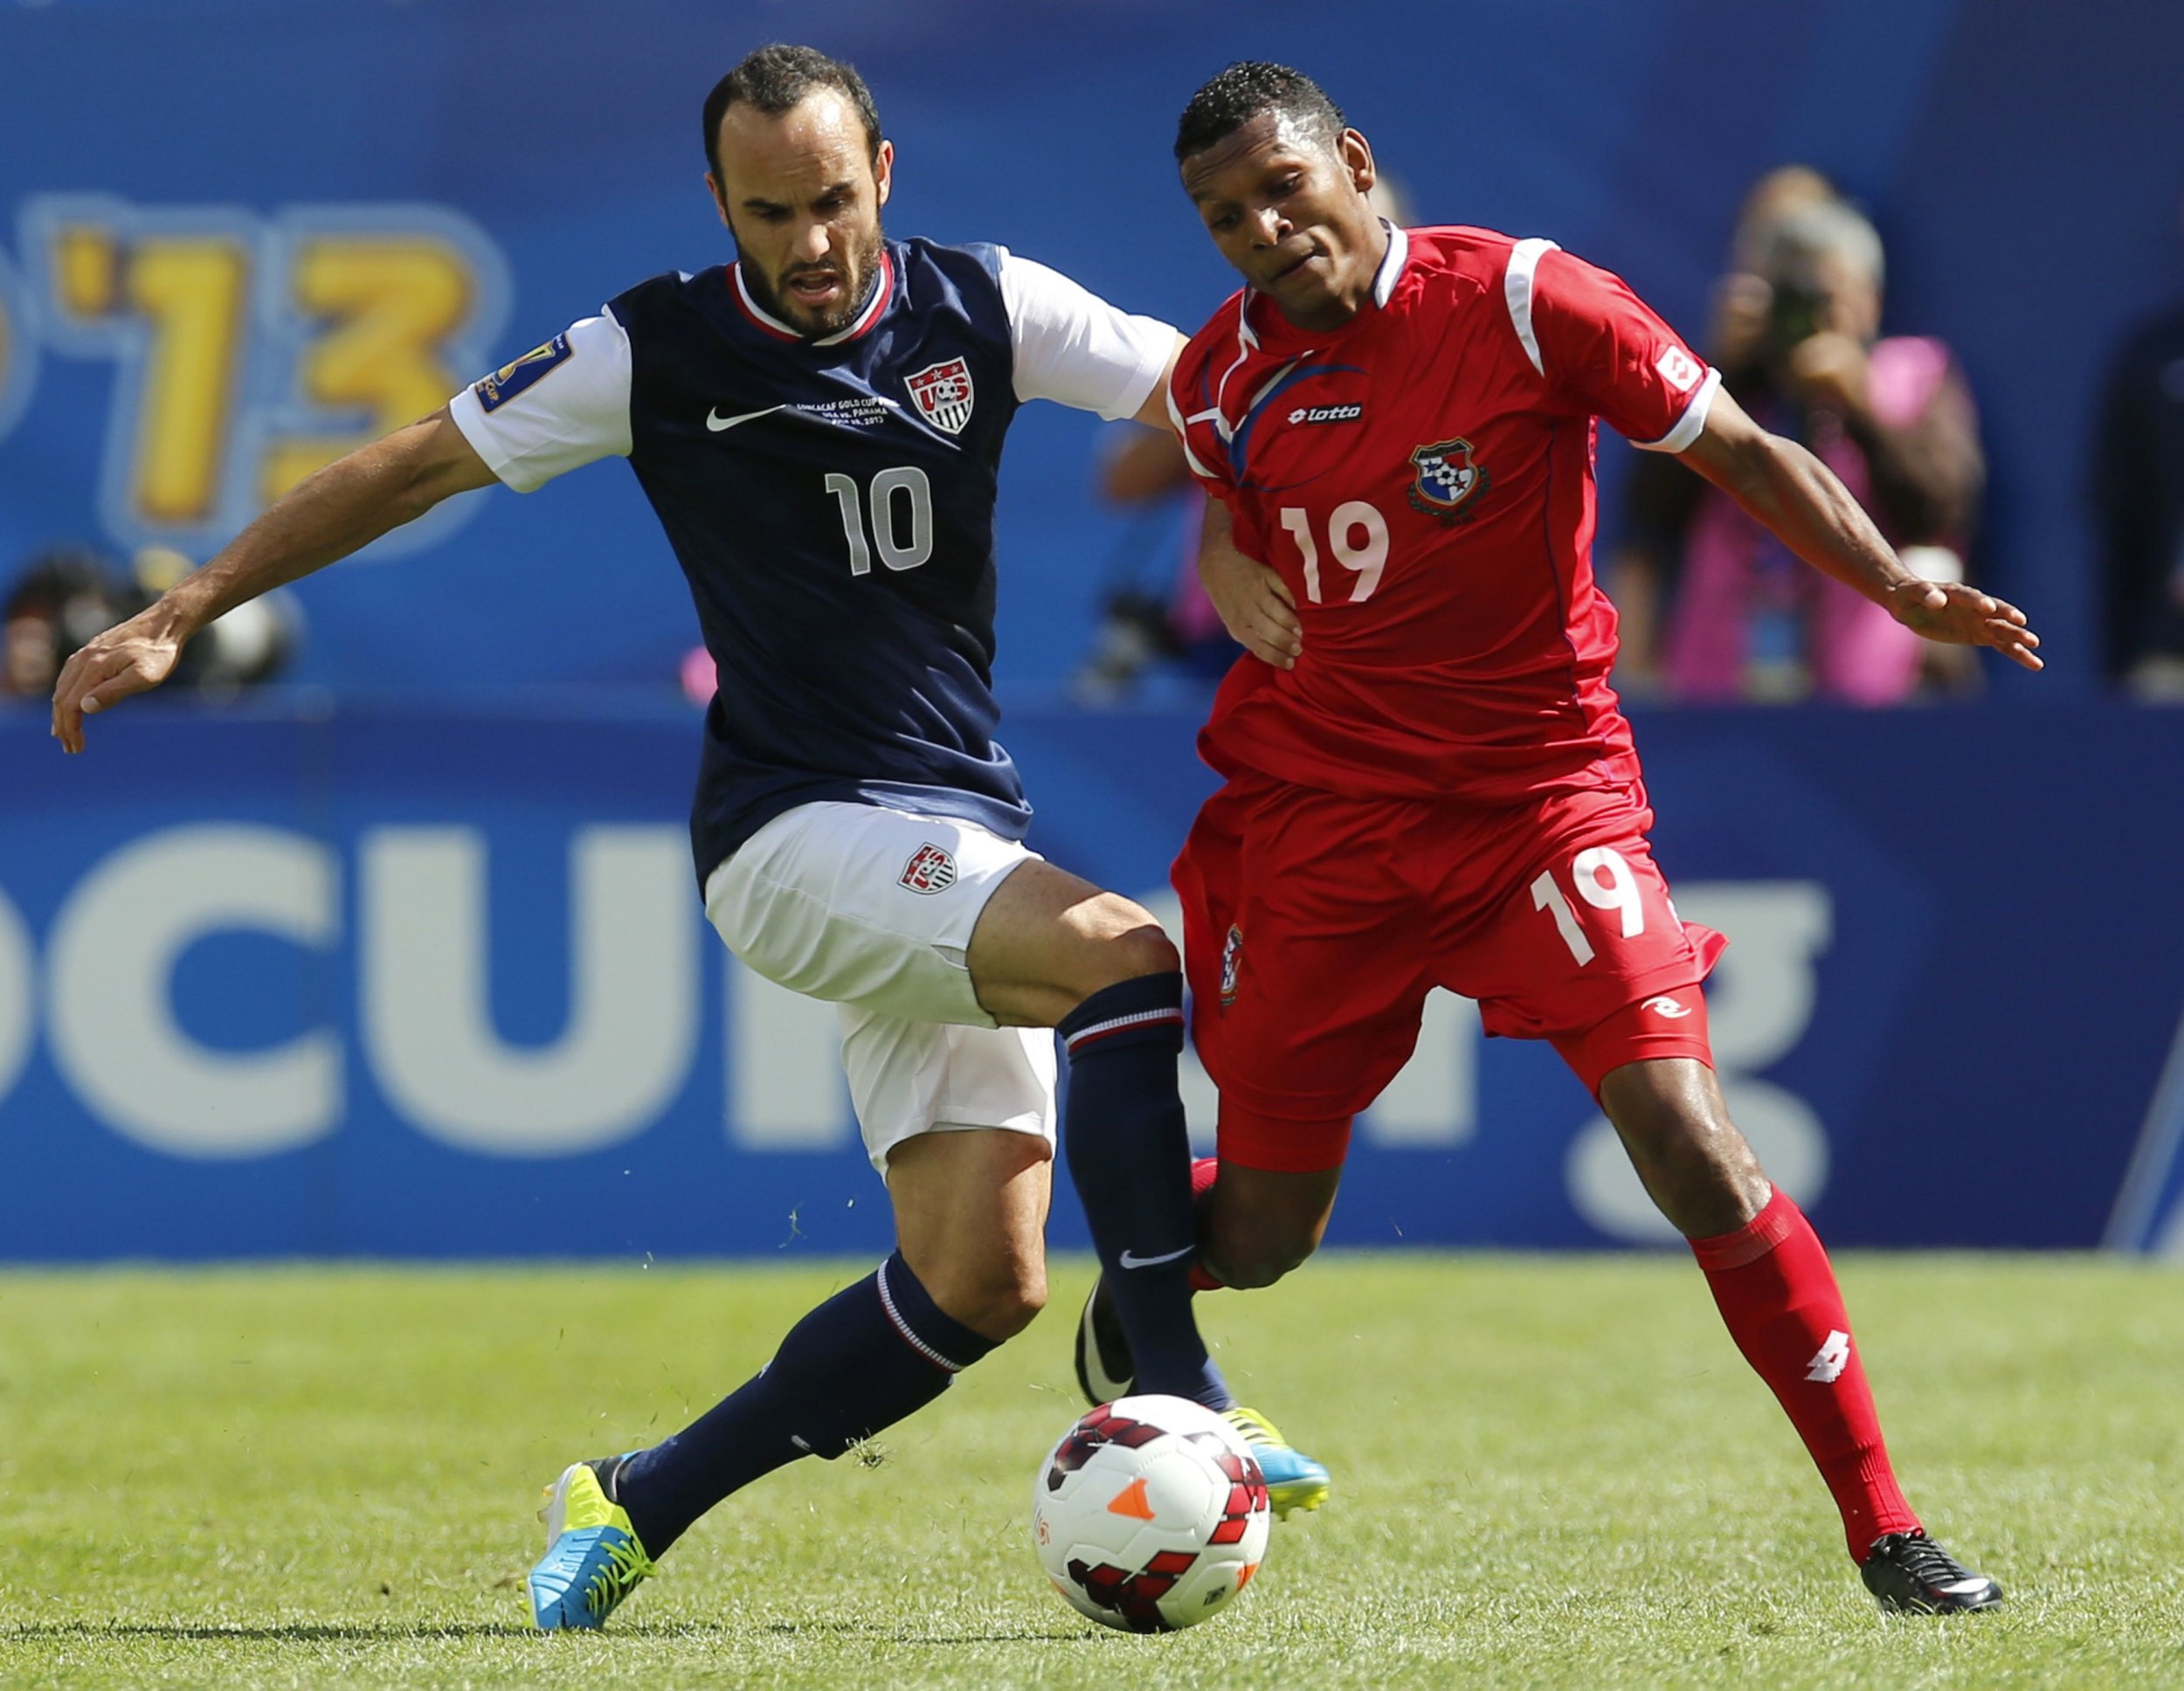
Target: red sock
[[1779, 1296], [1202, 1172]]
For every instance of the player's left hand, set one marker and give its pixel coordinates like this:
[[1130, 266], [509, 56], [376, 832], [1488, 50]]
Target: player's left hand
[[130, 658], [1253, 603], [1957, 615]]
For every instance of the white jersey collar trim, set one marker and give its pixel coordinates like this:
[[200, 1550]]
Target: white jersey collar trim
[[1392, 263]]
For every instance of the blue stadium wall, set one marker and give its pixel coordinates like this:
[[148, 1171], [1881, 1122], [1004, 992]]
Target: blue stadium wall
[[392, 972], [416, 982]]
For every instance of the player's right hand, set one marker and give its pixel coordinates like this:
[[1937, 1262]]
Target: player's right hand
[[1253, 603], [131, 657]]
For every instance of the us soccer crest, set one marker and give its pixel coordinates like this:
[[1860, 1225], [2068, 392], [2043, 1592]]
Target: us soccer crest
[[1446, 479], [929, 870], [943, 393]]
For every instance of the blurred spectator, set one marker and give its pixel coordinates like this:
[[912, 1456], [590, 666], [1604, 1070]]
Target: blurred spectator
[[1154, 609], [2139, 496], [68, 594], [1796, 337]]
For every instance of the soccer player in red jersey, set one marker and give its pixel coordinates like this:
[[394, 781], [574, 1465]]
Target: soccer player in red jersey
[[1428, 782]]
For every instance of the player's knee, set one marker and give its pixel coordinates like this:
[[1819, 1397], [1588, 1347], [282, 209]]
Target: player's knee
[[1133, 946]]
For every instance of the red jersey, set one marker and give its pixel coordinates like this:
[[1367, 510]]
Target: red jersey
[[1423, 480]]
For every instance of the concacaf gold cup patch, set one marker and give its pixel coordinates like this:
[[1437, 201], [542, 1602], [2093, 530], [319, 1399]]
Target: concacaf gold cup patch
[[511, 379]]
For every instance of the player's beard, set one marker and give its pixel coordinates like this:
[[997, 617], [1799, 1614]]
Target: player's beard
[[859, 272]]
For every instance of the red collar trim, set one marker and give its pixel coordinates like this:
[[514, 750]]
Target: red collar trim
[[767, 323]]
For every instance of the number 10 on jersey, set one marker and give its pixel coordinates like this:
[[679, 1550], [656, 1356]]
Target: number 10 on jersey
[[886, 536]]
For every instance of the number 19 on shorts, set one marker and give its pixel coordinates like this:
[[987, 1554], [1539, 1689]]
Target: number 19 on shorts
[[1603, 879]]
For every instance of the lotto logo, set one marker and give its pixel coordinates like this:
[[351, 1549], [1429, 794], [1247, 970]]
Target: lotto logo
[[929, 870], [1327, 413], [1830, 1359], [1678, 369]]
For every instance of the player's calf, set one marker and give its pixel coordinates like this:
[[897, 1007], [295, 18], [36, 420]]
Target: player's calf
[[1695, 1164], [1260, 1224], [971, 1212]]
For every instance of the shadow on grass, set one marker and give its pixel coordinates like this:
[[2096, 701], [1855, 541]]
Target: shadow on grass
[[385, 1631], [850, 1629], [392, 1631]]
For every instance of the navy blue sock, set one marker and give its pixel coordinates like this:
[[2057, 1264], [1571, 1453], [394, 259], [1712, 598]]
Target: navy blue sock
[[1130, 1153], [868, 1356]]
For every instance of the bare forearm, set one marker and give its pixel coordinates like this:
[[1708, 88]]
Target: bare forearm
[[347, 505], [329, 514], [1792, 494]]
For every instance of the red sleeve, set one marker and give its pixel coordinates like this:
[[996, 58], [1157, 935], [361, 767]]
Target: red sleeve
[[1603, 347]]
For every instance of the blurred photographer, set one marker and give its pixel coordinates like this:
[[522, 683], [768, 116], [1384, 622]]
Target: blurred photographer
[[1797, 336]]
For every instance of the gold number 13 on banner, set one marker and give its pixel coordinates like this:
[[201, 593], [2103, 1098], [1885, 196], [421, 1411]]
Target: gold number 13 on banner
[[252, 353]]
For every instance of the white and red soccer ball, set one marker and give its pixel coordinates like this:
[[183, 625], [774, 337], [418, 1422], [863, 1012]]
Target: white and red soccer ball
[[1149, 1514]]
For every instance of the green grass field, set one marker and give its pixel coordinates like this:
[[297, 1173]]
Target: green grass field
[[1548, 1472]]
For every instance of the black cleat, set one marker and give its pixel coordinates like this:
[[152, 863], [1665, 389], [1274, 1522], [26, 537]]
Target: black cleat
[[1911, 1574], [1105, 1369]]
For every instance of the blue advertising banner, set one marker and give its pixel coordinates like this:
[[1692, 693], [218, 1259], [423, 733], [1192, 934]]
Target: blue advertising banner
[[410, 982]]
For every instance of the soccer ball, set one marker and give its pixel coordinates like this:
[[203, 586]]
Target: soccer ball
[[1151, 1514]]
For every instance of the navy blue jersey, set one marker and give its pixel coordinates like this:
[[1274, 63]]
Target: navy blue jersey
[[832, 504]]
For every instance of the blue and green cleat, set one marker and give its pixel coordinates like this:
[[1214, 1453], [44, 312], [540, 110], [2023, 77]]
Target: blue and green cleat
[[1106, 1371], [592, 1558], [1294, 1480]]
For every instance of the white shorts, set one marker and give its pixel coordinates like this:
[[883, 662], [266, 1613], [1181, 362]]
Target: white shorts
[[872, 910]]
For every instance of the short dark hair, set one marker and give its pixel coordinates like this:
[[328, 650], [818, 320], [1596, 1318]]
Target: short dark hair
[[776, 79], [1242, 92]]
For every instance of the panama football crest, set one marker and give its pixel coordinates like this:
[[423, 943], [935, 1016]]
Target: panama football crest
[[1232, 961], [943, 393], [929, 870], [1446, 479]]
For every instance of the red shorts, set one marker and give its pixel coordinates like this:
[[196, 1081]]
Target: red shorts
[[1315, 925]]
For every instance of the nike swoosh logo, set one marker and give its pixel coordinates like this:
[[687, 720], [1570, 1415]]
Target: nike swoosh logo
[[1130, 1260], [716, 422]]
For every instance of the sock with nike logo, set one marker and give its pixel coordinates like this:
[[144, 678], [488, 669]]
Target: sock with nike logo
[[1129, 1155], [1777, 1291]]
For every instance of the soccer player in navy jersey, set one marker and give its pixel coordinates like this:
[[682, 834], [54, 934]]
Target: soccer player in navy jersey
[[818, 428], [1428, 780]]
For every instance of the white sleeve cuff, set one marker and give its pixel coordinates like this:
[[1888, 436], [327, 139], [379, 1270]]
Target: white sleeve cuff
[[1692, 424]]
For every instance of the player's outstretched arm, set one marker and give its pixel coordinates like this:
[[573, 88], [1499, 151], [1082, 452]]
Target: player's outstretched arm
[[346, 506], [1798, 497], [1254, 605]]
